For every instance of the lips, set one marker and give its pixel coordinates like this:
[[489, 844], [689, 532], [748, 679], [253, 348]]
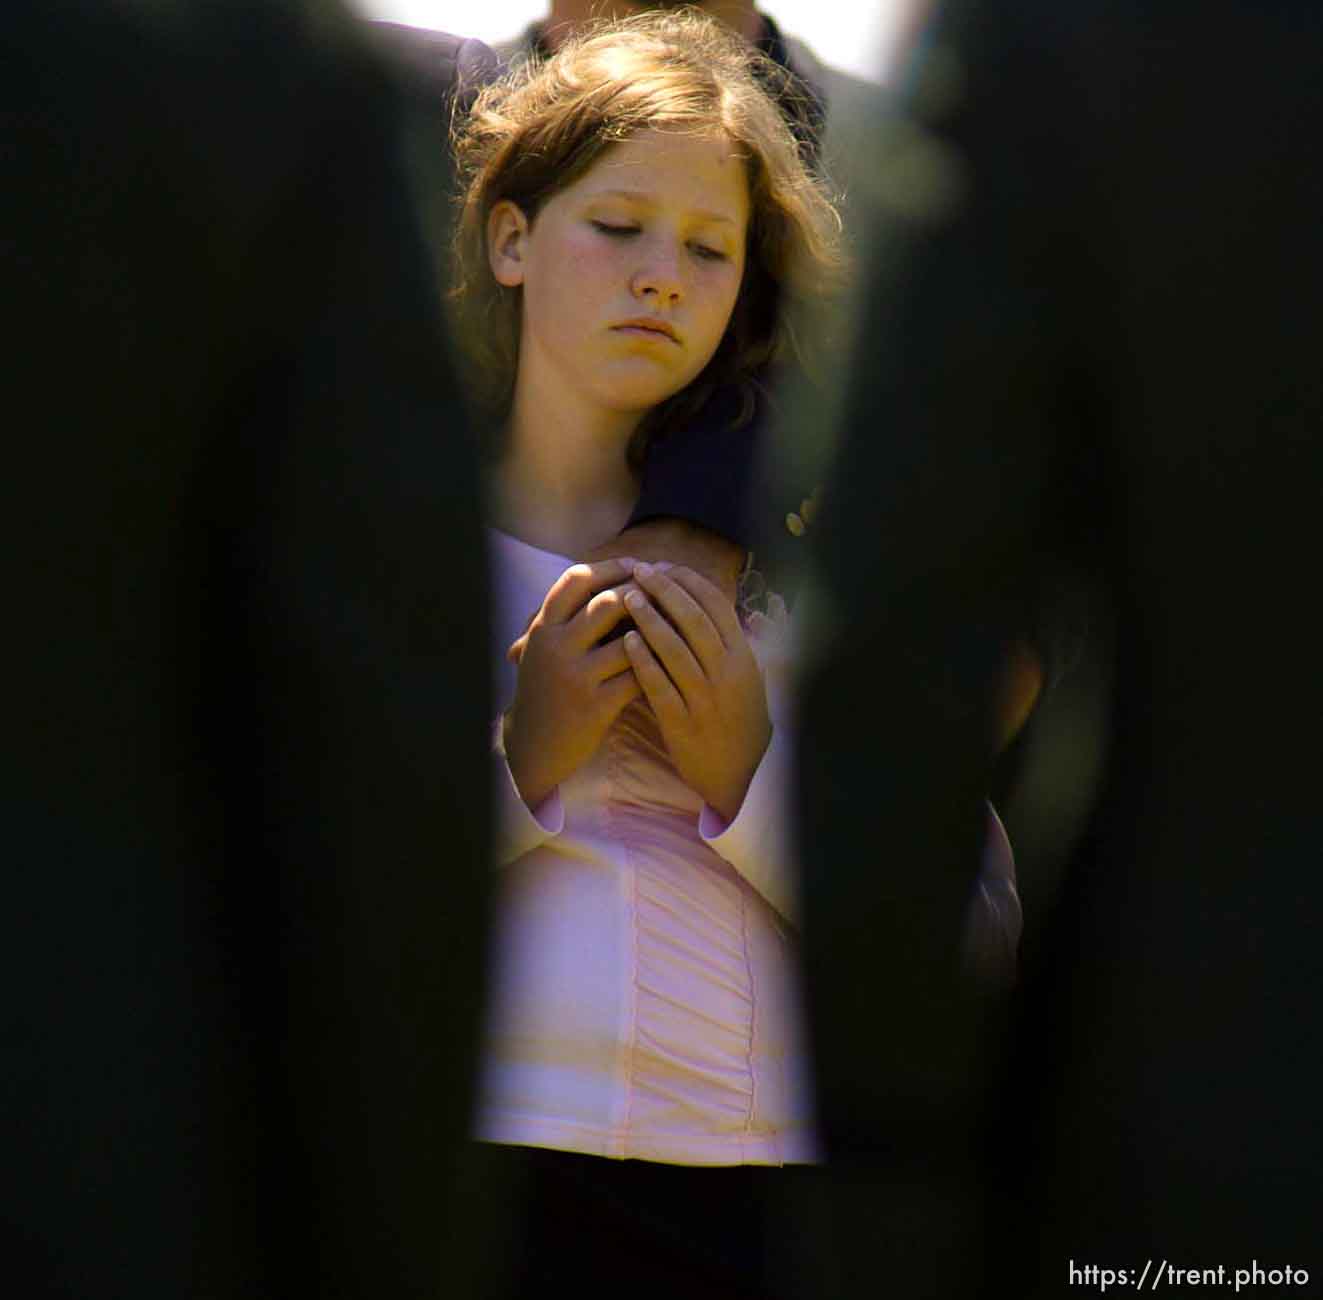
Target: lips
[[651, 325]]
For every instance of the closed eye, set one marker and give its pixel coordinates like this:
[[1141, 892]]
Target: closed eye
[[704, 252]]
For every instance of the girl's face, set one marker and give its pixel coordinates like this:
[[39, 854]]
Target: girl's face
[[629, 275]]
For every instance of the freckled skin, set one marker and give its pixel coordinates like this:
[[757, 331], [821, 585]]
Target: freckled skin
[[639, 235]]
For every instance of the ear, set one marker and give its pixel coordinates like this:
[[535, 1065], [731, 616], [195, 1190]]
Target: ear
[[507, 242]]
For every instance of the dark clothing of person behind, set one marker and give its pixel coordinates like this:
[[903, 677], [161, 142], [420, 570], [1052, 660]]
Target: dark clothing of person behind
[[245, 835], [597, 1227], [1095, 350]]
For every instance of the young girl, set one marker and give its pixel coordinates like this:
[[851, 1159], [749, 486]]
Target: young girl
[[636, 223]]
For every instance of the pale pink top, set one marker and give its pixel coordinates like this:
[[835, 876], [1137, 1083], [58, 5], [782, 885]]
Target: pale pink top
[[645, 995]]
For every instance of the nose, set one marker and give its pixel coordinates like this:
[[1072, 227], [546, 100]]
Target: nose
[[658, 279]]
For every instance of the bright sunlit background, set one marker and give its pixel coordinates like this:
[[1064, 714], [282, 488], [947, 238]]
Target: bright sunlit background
[[853, 35]]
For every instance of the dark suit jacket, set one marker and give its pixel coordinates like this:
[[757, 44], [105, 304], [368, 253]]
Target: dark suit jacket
[[1090, 346], [245, 845]]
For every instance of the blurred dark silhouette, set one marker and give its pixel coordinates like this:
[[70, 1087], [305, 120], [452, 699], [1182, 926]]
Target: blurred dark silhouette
[[245, 855], [1088, 354]]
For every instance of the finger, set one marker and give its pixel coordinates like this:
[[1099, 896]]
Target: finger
[[578, 584], [716, 604], [666, 644], [603, 612], [515, 654], [689, 618], [658, 689], [516, 651], [620, 691], [607, 661]]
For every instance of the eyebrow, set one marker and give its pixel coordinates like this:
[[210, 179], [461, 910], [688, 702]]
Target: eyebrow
[[641, 196]]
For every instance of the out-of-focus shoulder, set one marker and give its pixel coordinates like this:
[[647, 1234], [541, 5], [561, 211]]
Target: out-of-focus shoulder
[[436, 61]]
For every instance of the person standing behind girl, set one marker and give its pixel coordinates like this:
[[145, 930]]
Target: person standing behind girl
[[636, 224]]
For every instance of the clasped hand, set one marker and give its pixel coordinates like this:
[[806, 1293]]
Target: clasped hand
[[687, 656]]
